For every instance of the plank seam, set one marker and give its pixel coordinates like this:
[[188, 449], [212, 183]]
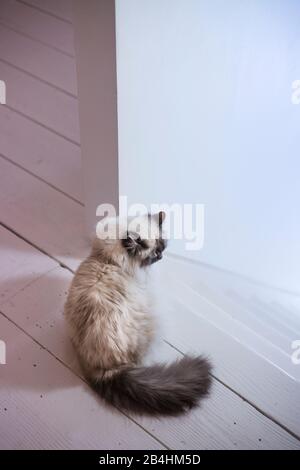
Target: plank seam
[[32, 38], [41, 179], [60, 263], [42, 80], [58, 17], [68, 139], [9, 298]]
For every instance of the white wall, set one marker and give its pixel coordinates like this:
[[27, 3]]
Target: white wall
[[205, 115]]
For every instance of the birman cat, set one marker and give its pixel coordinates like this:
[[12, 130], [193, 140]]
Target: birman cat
[[111, 325]]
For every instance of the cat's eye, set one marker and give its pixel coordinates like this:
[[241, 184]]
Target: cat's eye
[[134, 242], [142, 243]]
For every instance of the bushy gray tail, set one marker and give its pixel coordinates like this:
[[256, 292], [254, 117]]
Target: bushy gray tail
[[158, 389]]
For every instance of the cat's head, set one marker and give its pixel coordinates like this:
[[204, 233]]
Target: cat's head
[[145, 242], [135, 241]]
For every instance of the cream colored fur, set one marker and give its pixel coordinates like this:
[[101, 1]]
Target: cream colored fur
[[108, 307]]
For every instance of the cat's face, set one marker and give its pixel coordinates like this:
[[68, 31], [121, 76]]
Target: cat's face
[[136, 241], [145, 243]]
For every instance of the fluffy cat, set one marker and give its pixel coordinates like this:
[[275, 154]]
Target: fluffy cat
[[112, 326]]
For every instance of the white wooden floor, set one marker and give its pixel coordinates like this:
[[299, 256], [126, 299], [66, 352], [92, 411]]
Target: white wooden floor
[[44, 402]]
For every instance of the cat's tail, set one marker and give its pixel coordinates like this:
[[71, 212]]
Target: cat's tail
[[158, 389]]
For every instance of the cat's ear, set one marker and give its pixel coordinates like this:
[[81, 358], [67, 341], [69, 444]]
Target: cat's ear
[[159, 217]]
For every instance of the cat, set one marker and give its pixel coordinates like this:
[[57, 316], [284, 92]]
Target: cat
[[111, 325]]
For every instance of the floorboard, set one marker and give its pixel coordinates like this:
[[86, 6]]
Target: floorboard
[[55, 410], [223, 421], [42, 215], [38, 25], [61, 9], [41, 61], [40, 102], [41, 152]]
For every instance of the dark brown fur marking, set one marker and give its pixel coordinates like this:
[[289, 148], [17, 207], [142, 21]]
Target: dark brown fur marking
[[158, 389]]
